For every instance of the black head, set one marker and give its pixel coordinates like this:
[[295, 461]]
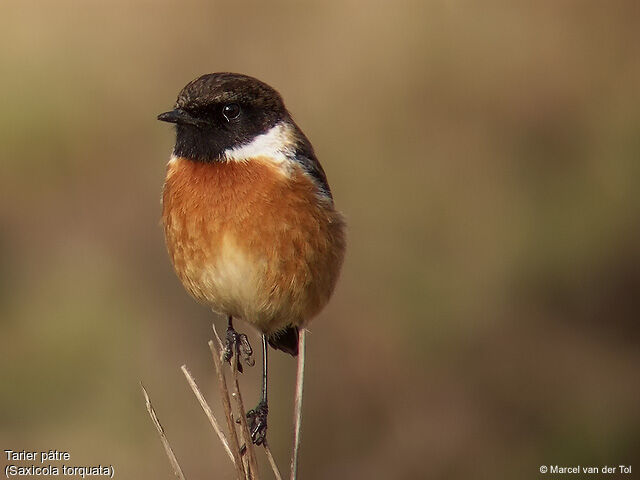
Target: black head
[[220, 111]]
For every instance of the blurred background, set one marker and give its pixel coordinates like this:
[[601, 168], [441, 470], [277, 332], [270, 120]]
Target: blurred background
[[487, 158]]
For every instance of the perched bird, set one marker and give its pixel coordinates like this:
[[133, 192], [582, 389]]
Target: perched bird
[[248, 215]]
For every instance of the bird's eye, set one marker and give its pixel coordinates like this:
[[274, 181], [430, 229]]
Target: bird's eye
[[231, 111]]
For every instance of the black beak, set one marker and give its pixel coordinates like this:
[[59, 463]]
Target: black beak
[[178, 116]]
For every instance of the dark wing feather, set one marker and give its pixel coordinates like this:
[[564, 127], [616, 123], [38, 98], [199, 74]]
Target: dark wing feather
[[307, 159]]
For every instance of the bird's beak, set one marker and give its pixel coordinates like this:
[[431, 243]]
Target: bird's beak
[[178, 116]]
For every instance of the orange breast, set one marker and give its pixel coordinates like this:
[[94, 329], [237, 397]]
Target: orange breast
[[251, 241]]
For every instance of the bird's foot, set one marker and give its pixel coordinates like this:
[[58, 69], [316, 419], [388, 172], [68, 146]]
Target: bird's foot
[[257, 419], [237, 343]]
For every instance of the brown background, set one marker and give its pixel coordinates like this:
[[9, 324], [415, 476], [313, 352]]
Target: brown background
[[486, 157]]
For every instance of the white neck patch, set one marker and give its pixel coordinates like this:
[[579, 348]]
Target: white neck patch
[[277, 145]]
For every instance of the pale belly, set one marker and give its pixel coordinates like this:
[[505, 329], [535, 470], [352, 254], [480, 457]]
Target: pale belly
[[232, 282]]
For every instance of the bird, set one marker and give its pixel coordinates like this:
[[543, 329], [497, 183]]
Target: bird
[[249, 218]]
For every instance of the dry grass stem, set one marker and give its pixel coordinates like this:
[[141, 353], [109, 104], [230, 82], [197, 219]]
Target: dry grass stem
[[165, 442], [215, 332], [244, 460], [250, 450], [224, 393], [297, 412], [247, 467], [272, 461], [207, 410]]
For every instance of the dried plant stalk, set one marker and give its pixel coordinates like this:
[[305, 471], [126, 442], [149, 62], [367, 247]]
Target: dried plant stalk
[[215, 332], [246, 465], [272, 461], [207, 410], [250, 450], [224, 393], [165, 442], [297, 411]]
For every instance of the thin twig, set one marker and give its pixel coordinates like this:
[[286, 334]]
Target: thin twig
[[207, 410], [247, 467], [224, 393], [250, 450], [165, 442], [297, 412], [272, 461], [215, 332]]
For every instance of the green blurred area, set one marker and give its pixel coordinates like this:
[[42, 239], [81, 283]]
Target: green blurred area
[[486, 157]]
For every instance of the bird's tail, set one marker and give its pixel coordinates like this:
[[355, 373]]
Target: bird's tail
[[285, 340]]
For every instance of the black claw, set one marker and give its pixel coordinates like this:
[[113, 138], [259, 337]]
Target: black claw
[[245, 350], [258, 423], [239, 343]]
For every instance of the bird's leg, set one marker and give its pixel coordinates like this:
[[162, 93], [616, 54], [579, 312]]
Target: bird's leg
[[258, 416], [239, 343]]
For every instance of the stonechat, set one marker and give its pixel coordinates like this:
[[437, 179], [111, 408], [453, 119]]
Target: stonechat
[[249, 218]]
